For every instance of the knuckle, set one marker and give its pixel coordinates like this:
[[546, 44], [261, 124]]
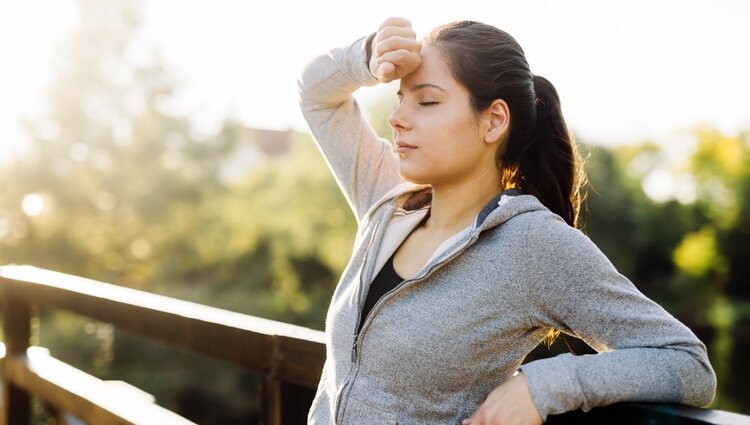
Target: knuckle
[[385, 32], [392, 21], [404, 33], [387, 51], [400, 54], [381, 48], [387, 45]]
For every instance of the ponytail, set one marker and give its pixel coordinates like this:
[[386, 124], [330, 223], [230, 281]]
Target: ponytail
[[546, 164]]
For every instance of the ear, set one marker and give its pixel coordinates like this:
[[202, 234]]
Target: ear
[[499, 121]]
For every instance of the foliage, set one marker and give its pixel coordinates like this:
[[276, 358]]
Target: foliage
[[117, 187]]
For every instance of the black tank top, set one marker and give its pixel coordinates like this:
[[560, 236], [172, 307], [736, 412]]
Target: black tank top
[[386, 280]]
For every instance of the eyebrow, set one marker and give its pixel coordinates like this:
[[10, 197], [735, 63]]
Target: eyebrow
[[420, 87]]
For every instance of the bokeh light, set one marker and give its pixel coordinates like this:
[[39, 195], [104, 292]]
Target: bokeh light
[[32, 204]]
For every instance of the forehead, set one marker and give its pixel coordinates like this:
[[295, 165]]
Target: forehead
[[433, 70]]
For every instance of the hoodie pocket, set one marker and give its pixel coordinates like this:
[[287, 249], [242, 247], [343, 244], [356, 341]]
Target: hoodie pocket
[[359, 412]]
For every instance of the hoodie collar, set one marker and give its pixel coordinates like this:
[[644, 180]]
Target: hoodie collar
[[506, 205]]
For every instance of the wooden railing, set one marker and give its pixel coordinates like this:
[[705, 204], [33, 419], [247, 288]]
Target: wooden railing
[[289, 357]]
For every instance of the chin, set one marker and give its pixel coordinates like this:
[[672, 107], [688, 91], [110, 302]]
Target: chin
[[414, 177]]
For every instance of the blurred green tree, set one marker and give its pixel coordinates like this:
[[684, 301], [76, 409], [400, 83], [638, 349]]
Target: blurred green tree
[[118, 187]]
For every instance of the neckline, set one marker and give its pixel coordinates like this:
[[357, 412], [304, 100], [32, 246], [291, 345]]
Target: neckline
[[392, 268]]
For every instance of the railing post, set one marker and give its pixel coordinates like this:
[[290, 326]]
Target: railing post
[[270, 390], [295, 402], [17, 327], [270, 406]]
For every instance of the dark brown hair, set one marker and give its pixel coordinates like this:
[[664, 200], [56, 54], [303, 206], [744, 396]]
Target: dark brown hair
[[539, 155]]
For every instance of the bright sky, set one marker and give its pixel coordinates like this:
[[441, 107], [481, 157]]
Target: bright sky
[[625, 70]]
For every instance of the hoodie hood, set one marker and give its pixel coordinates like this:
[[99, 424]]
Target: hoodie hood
[[504, 206]]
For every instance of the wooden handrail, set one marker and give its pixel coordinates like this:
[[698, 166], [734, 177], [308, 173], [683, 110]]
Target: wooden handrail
[[291, 353], [85, 396], [649, 413], [289, 357], [285, 354]]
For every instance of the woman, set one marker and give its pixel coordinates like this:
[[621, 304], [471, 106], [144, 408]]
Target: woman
[[467, 255]]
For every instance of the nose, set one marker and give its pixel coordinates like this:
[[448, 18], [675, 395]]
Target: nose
[[397, 120]]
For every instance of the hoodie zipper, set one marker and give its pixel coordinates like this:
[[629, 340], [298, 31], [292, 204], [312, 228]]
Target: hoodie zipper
[[345, 387], [430, 270], [362, 284], [359, 309], [464, 244]]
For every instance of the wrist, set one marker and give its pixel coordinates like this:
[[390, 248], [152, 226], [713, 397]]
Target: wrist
[[369, 49]]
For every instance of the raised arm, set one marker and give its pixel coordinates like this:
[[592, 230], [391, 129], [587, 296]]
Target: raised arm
[[645, 354], [364, 166]]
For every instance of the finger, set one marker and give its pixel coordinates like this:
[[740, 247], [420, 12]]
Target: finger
[[387, 68], [398, 57], [396, 43], [396, 22], [387, 74], [396, 31], [402, 58]]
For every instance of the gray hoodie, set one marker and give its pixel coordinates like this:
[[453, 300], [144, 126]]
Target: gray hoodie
[[433, 348]]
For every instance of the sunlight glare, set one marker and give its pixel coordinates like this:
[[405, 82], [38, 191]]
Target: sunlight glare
[[659, 186], [32, 204]]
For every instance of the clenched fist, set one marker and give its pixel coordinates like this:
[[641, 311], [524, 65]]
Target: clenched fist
[[395, 50]]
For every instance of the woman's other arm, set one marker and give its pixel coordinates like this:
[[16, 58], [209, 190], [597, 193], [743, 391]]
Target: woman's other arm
[[645, 354]]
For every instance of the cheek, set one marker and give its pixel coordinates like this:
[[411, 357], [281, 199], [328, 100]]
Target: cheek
[[458, 133]]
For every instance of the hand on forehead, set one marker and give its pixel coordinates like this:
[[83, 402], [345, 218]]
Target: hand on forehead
[[395, 50]]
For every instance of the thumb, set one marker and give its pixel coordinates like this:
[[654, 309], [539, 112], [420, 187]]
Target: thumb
[[387, 68], [386, 72]]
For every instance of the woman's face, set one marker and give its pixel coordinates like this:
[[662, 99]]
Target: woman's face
[[435, 116]]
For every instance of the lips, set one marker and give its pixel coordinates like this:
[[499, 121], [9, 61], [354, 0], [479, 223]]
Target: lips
[[404, 147]]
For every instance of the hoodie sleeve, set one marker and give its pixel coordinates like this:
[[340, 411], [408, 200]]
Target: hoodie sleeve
[[364, 166], [644, 353]]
